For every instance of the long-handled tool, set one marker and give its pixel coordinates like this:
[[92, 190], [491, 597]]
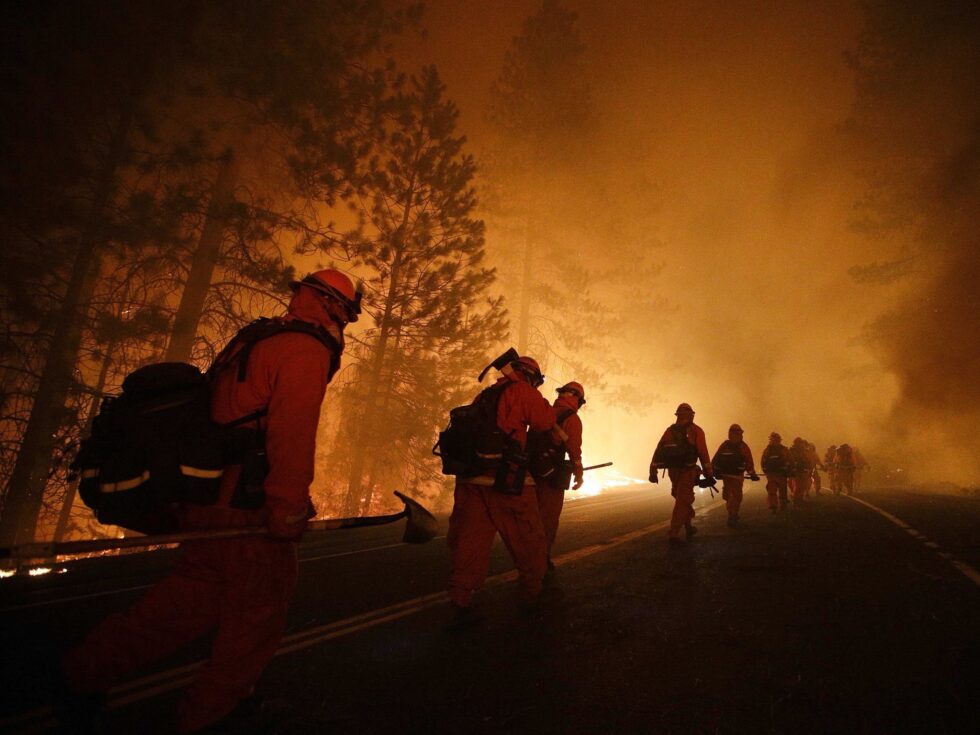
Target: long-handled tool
[[596, 466], [420, 527]]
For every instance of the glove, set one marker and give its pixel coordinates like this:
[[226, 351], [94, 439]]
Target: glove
[[706, 482], [290, 528], [653, 477], [754, 477], [579, 480]]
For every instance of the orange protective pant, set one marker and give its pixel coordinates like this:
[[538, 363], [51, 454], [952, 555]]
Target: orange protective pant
[[847, 479], [817, 482], [682, 488], [731, 493], [801, 488], [239, 588], [550, 502], [479, 514], [776, 487]]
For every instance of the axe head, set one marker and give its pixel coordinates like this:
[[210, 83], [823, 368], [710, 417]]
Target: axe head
[[421, 526], [505, 359]]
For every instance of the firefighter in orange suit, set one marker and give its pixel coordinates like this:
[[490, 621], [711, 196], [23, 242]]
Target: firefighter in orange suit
[[680, 449], [801, 471], [844, 461], [776, 465], [237, 589], [860, 465], [830, 462], [480, 511], [816, 464], [732, 462], [551, 499]]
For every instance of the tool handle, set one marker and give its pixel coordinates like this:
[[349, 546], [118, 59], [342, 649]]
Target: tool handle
[[49, 549], [596, 466]]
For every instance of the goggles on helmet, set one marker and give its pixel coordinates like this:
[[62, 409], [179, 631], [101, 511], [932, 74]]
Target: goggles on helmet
[[574, 392], [534, 377], [352, 307]]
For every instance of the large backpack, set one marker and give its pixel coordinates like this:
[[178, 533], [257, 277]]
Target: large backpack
[[798, 459], [774, 460], [473, 444], [675, 451], [546, 460], [728, 460], [154, 446]]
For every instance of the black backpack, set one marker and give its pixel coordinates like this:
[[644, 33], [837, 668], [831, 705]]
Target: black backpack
[[154, 446], [675, 451], [774, 460], [729, 460], [546, 460], [473, 443]]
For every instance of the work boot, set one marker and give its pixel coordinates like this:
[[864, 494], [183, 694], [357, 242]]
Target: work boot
[[674, 542], [690, 531], [773, 509], [732, 522]]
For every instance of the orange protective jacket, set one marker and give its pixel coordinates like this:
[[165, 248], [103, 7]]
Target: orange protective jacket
[[572, 426], [729, 445], [695, 436], [776, 450], [521, 407], [287, 375]]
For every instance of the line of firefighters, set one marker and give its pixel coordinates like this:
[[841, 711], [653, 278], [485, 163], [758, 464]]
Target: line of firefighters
[[239, 589]]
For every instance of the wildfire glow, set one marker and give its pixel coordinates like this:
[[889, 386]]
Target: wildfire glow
[[4, 573], [598, 481]]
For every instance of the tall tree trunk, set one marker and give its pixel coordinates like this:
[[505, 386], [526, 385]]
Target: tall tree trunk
[[371, 459], [93, 410], [25, 490], [202, 263], [366, 429], [524, 335]]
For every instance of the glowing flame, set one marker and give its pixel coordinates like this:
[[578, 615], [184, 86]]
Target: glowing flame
[[598, 481], [4, 573], [38, 571]]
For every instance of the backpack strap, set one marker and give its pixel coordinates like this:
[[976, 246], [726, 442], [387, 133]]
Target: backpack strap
[[240, 347], [563, 416]]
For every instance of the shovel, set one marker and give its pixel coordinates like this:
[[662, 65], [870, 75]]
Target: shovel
[[420, 527]]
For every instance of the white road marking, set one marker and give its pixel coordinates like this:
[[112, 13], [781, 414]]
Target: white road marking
[[965, 569], [40, 718]]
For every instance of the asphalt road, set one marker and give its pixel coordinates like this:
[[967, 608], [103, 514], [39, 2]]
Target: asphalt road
[[842, 616]]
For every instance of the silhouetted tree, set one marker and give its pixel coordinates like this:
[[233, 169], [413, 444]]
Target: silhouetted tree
[[421, 254]]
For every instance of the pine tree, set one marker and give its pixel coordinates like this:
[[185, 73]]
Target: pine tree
[[421, 253]]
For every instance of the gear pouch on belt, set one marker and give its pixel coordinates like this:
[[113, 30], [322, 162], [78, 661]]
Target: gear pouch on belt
[[511, 471], [248, 449], [561, 479]]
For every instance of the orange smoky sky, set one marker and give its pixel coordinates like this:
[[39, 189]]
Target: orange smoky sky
[[734, 111]]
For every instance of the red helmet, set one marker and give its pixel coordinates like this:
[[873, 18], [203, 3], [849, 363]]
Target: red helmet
[[575, 389], [337, 286], [736, 429], [775, 435], [684, 408], [531, 370]]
